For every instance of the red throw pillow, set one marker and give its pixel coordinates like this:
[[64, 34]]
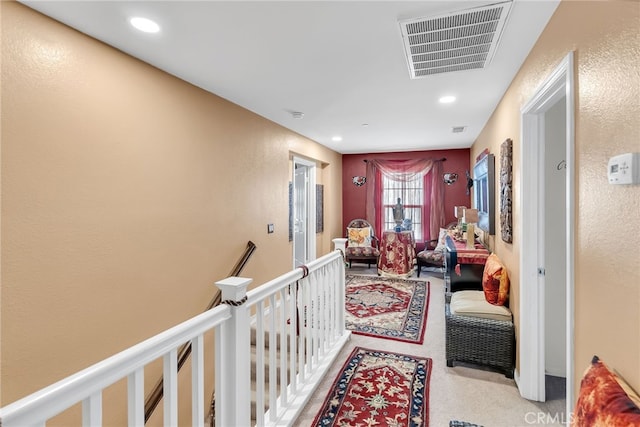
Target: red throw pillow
[[602, 401], [495, 281]]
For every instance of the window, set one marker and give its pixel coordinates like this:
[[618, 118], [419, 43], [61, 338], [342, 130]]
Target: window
[[411, 194]]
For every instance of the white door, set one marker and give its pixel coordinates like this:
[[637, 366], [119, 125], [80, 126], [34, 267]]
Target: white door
[[555, 290], [304, 196], [536, 245]]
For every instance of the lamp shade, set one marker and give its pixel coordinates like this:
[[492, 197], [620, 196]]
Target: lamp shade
[[470, 216], [459, 211]]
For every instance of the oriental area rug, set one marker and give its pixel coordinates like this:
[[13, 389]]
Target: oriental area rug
[[378, 388], [388, 308]]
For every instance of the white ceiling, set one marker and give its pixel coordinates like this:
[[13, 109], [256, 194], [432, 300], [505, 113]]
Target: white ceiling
[[341, 63]]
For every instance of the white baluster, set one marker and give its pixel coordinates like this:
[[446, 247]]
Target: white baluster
[[92, 410], [197, 381], [260, 381], [170, 388], [135, 385], [273, 411], [236, 367]]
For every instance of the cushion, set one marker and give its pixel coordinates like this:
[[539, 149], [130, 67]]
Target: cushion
[[362, 251], [602, 401], [359, 237], [440, 247], [495, 281], [474, 304], [433, 257]]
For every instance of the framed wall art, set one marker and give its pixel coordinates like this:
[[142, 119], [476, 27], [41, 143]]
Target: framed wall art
[[506, 177], [319, 208]]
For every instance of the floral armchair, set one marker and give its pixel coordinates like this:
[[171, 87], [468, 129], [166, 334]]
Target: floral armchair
[[362, 244]]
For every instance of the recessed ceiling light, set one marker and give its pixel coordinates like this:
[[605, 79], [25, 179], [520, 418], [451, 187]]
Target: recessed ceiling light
[[447, 99], [145, 25], [336, 139]]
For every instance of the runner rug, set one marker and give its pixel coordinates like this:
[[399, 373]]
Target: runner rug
[[385, 307], [378, 388]]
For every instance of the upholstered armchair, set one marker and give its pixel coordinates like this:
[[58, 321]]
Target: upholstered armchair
[[431, 256], [434, 251], [362, 244]]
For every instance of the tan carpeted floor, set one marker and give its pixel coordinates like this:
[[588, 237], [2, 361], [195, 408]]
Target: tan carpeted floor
[[459, 393]]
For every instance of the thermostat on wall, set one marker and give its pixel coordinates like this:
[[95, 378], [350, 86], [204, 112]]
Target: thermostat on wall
[[624, 169]]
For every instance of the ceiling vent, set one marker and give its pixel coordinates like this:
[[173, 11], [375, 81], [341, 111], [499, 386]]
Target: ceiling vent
[[458, 129], [457, 41]]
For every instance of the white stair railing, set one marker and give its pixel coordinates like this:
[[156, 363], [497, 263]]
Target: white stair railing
[[299, 326], [319, 297]]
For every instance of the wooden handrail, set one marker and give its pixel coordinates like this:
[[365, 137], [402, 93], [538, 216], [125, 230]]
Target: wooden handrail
[[153, 399]]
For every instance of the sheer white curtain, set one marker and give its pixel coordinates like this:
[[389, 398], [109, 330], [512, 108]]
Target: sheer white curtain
[[404, 171]]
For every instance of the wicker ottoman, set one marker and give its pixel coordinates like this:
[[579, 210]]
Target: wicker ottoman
[[480, 341]]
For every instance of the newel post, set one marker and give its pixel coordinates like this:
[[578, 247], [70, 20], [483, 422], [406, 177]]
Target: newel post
[[233, 383]]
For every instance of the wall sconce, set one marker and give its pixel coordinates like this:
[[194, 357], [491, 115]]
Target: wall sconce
[[359, 181], [450, 178]]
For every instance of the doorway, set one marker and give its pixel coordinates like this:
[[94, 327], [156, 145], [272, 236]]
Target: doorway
[[304, 211], [547, 221]]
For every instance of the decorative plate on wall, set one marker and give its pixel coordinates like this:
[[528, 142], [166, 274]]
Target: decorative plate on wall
[[359, 181]]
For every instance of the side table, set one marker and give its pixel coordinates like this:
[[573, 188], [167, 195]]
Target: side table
[[397, 254]]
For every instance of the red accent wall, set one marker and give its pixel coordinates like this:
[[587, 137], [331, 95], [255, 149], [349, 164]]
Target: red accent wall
[[353, 197]]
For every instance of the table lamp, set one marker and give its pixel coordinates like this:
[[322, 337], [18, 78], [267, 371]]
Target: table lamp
[[470, 218]]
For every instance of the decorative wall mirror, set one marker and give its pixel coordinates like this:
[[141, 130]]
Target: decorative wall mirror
[[484, 193]]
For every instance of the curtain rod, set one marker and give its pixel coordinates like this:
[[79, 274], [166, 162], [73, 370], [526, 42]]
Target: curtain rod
[[444, 159]]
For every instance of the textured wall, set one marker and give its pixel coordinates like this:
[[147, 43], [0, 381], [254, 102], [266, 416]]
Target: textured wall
[[605, 38], [126, 193]]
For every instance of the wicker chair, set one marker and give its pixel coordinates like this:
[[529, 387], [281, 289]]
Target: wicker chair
[[479, 341]]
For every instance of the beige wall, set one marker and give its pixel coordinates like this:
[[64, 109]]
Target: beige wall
[[126, 193], [605, 38]]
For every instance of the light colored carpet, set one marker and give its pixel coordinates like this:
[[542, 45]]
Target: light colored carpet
[[459, 393]]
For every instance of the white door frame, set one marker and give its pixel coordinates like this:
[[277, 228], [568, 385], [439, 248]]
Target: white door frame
[[531, 375], [310, 203]]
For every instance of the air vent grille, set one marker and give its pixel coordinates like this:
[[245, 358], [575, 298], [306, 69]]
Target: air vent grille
[[457, 41]]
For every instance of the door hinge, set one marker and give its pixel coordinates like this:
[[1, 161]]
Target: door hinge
[[541, 271]]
